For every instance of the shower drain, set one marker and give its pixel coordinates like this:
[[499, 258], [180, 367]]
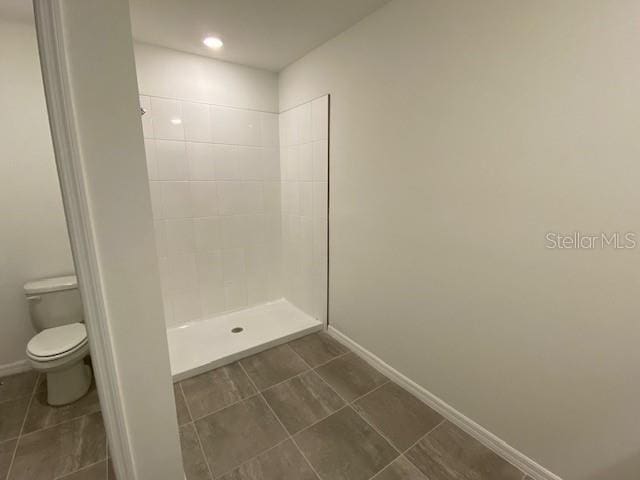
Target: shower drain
[[237, 329]]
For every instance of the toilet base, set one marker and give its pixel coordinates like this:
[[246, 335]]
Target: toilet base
[[67, 385]]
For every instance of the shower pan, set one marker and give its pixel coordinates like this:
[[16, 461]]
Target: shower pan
[[240, 206]]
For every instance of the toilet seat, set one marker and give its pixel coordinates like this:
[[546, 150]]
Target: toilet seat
[[58, 342]]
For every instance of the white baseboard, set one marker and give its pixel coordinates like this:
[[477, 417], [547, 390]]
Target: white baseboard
[[15, 367], [488, 439]]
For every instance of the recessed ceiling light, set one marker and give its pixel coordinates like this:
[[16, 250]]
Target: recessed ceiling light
[[213, 42], [176, 121]]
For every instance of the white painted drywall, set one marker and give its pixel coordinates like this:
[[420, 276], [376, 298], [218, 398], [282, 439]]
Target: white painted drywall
[[33, 234], [462, 132], [168, 73], [105, 102]]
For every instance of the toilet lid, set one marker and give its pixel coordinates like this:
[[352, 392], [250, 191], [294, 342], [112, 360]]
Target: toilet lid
[[58, 340]]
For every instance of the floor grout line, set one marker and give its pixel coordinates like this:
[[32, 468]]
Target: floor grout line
[[195, 429], [257, 390], [404, 452], [24, 421], [86, 467], [289, 436]]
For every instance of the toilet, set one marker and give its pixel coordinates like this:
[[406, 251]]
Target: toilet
[[60, 346]]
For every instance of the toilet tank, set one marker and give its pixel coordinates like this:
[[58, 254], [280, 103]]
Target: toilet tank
[[54, 302]]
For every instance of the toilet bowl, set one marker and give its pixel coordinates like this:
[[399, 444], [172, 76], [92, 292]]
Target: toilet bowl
[[60, 346]]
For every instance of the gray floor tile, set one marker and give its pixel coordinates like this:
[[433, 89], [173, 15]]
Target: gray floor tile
[[60, 450], [18, 385], [6, 454], [195, 465], [400, 469], [345, 447], [351, 376], [448, 453], [398, 414], [302, 400], [317, 348], [273, 366], [42, 415], [283, 462], [12, 414], [181, 407], [238, 433], [216, 389], [95, 472]]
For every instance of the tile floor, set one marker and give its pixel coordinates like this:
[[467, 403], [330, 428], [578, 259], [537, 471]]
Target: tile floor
[[307, 410], [313, 410], [40, 442]]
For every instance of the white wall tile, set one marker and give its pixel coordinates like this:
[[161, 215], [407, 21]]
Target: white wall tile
[[181, 273], [234, 126], [305, 162], [171, 159], [305, 190], [200, 157], [271, 196], [212, 300], [186, 307], [179, 234], [195, 118], [210, 273], [303, 119], [257, 288], [270, 133], [232, 198], [321, 161], [233, 265], [225, 158], [147, 118], [320, 199], [167, 119], [176, 199], [155, 190], [150, 154], [250, 163], [235, 294], [208, 233], [320, 118], [217, 201], [204, 199], [271, 163]]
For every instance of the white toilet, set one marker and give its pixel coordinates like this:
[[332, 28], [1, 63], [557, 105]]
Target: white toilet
[[61, 344]]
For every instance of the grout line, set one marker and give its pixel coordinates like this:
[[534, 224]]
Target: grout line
[[254, 457], [195, 429], [289, 436], [357, 399], [24, 421], [86, 467], [178, 99], [404, 453]]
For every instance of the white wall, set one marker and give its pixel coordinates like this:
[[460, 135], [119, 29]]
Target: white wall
[[105, 105], [304, 155], [33, 234], [168, 73], [214, 179], [215, 191], [461, 132]]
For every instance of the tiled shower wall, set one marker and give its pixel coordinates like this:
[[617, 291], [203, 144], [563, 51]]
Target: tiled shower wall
[[214, 176], [304, 160]]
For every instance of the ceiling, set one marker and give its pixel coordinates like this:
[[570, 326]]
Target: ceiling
[[267, 34]]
